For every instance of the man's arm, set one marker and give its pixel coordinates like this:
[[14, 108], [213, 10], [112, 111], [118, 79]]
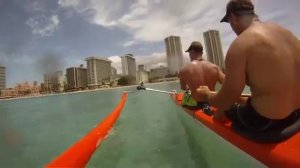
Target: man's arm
[[235, 78], [221, 75], [183, 85]]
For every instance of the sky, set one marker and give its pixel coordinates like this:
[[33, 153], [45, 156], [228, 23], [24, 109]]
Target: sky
[[38, 36]]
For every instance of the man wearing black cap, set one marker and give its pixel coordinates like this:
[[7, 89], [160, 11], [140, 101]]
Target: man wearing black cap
[[266, 57], [196, 73]]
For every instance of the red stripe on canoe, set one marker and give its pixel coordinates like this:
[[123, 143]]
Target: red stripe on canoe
[[80, 153], [283, 154]]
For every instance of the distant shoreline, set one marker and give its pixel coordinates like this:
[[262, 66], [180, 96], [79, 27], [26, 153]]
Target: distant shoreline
[[83, 91]]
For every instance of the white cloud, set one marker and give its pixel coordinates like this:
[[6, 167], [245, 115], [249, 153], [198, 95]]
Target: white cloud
[[102, 12], [68, 3], [42, 25], [35, 5], [19, 59], [152, 61], [116, 63], [128, 43], [156, 60], [154, 20]]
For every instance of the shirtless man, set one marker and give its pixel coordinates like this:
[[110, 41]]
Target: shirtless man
[[266, 57], [199, 72]]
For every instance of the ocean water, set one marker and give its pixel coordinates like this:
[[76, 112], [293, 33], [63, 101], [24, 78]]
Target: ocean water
[[151, 132]]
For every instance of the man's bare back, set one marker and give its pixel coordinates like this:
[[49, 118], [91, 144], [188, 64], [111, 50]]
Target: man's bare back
[[199, 73], [271, 55]]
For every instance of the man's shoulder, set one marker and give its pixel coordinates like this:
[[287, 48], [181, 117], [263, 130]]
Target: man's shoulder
[[184, 68], [248, 40], [258, 32], [189, 66]]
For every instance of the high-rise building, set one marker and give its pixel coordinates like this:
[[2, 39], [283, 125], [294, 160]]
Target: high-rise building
[[54, 82], [174, 54], [213, 47], [98, 71], [113, 73], [58, 81], [128, 65], [76, 77], [141, 67], [158, 73], [143, 76], [2, 77], [47, 83]]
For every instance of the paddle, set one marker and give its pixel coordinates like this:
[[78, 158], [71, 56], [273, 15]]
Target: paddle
[[154, 90]]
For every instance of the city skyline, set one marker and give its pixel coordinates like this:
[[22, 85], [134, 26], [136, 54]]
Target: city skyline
[[41, 36]]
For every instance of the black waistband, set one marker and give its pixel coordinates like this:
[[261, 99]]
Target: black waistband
[[250, 118]]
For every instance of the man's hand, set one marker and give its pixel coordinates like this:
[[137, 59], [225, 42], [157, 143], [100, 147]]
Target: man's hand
[[203, 93]]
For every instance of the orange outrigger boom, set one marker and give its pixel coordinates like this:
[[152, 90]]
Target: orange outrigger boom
[[80, 153]]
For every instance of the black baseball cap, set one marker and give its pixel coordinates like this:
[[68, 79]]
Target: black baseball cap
[[238, 7], [195, 45]]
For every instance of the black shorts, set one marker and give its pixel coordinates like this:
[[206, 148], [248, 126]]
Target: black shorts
[[246, 121], [252, 120]]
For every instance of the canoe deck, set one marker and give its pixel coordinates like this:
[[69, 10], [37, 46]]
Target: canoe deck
[[283, 154]]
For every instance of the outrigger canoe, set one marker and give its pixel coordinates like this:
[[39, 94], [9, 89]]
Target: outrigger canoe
[[282, 154]]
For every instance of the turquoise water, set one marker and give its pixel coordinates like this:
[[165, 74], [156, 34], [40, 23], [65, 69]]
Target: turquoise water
[[151, 132]]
